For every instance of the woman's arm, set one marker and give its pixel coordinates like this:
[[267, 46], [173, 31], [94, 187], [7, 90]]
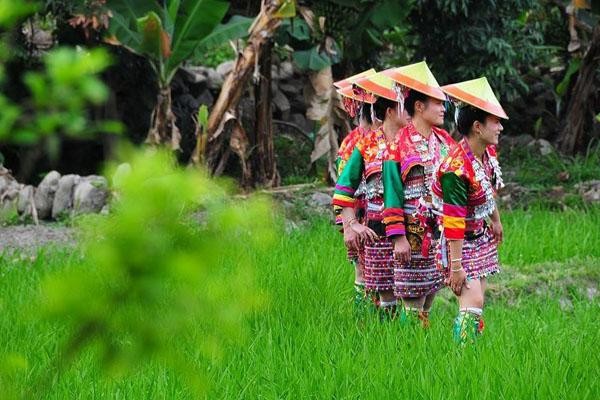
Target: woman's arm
[[497, 229], [343, 201], [454, 216], [393, 213]]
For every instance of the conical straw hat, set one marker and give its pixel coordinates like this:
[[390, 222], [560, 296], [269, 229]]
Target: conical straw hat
[[478, 93], [417, 77], [349, 81], [378, 84]]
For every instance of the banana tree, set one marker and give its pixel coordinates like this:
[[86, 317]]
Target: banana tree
[[166, 35], [328, 32]]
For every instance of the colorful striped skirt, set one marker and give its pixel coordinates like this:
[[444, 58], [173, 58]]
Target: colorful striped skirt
[[378, 264], [479, 255], [421, 276], [418, 278]]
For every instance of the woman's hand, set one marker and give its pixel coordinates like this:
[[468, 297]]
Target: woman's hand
[[497, 231], [351, 239], [364, 233], [456, 280], [401, 249]]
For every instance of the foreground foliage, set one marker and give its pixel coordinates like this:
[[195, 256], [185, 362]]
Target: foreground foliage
[[307, 342]]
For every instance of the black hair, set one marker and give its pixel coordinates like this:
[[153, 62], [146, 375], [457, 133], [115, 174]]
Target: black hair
[[365, 112], [467, 116], [412, 98], [381, 106]]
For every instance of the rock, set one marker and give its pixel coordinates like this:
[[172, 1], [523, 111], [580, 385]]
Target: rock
[[557, 193], [26, 194], [44, 195], [196, 74], [302, 122], [282, 104], [283, 71], [589, 190], [512, 193], [215, 80], [592, 293], [565, 304], [225, 68], [516, 141], [321, 199], [63, 198], [294, 88], [5, 182], [90, 195], [206, 98], [9, 187], [542, 145], [188, 101], [592, 196]]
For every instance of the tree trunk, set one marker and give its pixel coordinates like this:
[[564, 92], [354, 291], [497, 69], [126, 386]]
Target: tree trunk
[[163, 129], [584, 102], [263, 157], [261, 31]]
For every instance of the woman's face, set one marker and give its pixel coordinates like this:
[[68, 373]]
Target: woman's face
[[399, 118], [489, 132], [432, 111]]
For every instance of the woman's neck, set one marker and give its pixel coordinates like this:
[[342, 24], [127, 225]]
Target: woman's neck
[[390, 129], [422, 126], [477, 146]]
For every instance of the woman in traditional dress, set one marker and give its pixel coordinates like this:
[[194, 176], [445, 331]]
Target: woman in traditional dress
[[408, 175], [357, 103], [365, 164], [464, 192]]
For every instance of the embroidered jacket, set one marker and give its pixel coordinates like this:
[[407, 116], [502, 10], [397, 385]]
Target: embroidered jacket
[[464, 189], [409, 172], [347, 147], [344, 152], [365, 163]]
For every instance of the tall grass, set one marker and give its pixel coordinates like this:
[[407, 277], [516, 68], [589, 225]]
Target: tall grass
[[536, 171], [307, 341], [539, 235]]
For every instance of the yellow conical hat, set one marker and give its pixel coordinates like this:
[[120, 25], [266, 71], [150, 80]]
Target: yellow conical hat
[[478, 93], [349, 81], [417, 77], [351, 92], [379, 85]]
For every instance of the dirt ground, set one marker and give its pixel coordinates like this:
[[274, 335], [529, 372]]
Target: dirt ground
[[32, 237]]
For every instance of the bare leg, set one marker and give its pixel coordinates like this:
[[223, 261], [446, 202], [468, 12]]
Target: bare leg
[[472, 297], [359, 273], [469, 324]]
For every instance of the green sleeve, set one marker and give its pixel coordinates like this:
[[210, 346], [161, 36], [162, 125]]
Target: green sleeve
[[393, 199], [349, 181], [393, 188]]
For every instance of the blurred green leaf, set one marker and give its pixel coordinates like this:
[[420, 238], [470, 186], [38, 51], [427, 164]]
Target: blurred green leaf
[[572, 69], [311, 59], [203, 115], [11, 11], [152, 272], [155, 41], [287, 9], [236, 28]]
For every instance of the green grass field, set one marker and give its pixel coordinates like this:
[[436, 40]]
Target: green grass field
[[307, 341]]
